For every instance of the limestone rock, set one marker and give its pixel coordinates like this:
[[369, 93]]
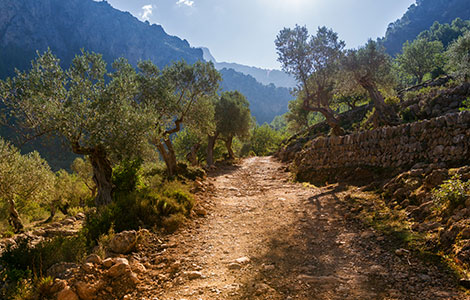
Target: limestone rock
[[242, 260], [118, 269], [123, 242], [58, 286], [60, 269], [94, 259], [85, 291], [67, 294], [191, 275]]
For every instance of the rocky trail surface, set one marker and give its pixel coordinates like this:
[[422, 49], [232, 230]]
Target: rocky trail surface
[[261, 236]]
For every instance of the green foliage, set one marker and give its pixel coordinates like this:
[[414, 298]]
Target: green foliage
[[79, 102], [466, 105], [26, 182], [70, 191], [24, 263], [451, 194], [264, 140], [126, 176], [458, 56], [407, 115], [184, 141], [266, 101], [368, 64], [190, 172], [232, 115], [25, 259], [446, 33], [83, 169], [96, 224], [314, 62], [420, 57], [142, 207], [420, 17], [297, 117]]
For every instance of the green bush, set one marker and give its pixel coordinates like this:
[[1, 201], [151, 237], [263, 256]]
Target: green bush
[[452, 193], [37, 259], [127, 177], [143, 208], [25, 265], [97, 223]]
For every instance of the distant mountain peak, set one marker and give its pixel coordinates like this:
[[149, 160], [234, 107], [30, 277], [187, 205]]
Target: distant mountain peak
[[264, 76]]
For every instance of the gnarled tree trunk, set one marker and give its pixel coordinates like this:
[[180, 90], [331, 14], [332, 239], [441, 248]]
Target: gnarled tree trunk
[[14, 217], [329, 116], [210, 149], [102, 175], [192, 155], [169, 157], [228, 144], [383, 115]]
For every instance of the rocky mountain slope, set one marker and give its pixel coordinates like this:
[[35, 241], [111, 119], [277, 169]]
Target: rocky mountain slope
[[66, 26]]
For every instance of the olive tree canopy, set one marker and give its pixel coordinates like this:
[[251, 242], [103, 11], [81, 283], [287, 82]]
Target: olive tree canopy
[[95, 112]]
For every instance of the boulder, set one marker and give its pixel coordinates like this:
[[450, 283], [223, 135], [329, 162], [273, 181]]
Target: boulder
[[85, 291], [58, 286], [421, 213], [94, 259], [436, 178], [59, 270], [67, 294], [123, 242], [118, 269]]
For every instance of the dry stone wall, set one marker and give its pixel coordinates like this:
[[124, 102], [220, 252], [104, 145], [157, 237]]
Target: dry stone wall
[[445, 139]]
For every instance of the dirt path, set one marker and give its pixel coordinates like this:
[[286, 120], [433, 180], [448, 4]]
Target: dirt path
[[291, 242]]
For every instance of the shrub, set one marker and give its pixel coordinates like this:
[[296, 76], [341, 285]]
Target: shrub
[[143, 208], [452, 193], [97, 223], [24, 264], [127, 177]]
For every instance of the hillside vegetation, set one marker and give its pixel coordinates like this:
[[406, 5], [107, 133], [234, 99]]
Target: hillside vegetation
[[420, 17]]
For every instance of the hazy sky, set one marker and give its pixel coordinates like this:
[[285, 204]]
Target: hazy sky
[[244, 31]]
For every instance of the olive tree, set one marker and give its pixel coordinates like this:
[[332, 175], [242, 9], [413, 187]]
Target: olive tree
[[370, 66], [232, 119], [459, 57], [313, 61], [179, 95], [93, 111], [24, 180], [420, 57]]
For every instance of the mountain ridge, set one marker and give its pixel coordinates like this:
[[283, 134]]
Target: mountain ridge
[[264, 76], [419, 17], [66, 26], [28, 26]]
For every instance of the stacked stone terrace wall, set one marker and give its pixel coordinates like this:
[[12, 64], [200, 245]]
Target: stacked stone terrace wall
[[445, 139]]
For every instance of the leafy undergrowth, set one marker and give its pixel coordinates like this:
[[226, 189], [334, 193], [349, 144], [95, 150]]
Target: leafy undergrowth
[[143, 198]]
